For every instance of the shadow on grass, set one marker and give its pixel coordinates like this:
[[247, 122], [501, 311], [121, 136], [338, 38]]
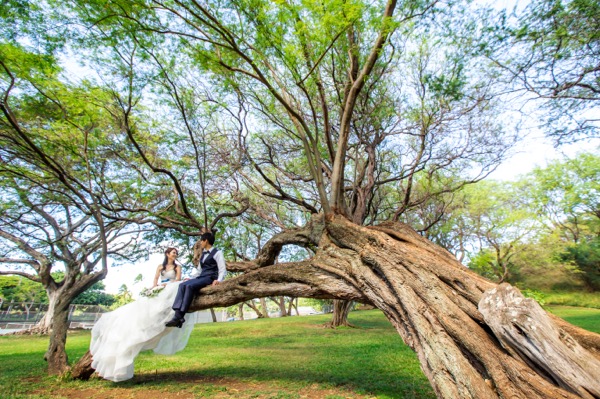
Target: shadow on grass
[[218, 377], [374, 365]]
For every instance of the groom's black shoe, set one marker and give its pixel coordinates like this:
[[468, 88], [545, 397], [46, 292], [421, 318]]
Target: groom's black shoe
[[175, 322]]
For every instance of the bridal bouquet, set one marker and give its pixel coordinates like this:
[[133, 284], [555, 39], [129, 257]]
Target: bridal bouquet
[[151, 292]]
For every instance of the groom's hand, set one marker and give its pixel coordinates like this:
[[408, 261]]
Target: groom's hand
[[216, 282]]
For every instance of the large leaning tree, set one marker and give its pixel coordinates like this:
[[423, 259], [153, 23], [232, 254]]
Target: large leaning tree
[[55, 171], [367, 110]]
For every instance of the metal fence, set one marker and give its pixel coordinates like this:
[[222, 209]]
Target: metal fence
[[22, 315]]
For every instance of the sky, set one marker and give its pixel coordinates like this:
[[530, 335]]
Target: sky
[[537, 151], [126, 274]]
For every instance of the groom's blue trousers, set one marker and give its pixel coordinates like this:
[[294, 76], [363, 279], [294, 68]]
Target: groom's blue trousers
[[187, 290]]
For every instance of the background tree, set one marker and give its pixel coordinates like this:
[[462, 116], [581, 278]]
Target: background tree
[[552, 50], [586, 256], [20, 289], [500, 221], [123, 297], [54, 172], [95, 295], [554, 206], [567, 194]]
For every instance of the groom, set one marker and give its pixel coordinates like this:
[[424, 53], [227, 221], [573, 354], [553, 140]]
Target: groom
[[211, 271]]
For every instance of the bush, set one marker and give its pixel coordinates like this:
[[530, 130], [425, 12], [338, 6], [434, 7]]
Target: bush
[[582, 299], [586, 255], [533, 294]]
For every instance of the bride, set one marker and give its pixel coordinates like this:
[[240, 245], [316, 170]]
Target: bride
[[120, 335]]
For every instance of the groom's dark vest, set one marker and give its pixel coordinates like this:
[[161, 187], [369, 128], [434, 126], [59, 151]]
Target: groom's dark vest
[[209, 265]]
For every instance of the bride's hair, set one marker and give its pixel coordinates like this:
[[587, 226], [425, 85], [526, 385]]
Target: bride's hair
[[164, 264]]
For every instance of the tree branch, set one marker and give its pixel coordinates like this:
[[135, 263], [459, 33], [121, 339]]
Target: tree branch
[[19, 273]]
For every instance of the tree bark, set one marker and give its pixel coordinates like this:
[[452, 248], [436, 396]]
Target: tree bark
[[47, 320], [429, 297], [83, 370], [432, 301], [60, 297]]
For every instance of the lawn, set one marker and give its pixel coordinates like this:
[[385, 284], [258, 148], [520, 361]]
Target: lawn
[[587, 318], [285, 358]]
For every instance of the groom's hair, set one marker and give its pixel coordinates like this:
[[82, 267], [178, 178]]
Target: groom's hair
[[209, 237]]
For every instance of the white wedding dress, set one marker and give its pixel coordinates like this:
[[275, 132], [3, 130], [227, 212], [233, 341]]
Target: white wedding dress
[[119, 336]]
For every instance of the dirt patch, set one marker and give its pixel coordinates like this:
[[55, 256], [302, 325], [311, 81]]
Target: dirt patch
[[188, 387], [115, 393]]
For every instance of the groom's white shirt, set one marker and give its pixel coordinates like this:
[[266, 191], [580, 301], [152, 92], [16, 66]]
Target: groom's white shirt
[[220, 259]]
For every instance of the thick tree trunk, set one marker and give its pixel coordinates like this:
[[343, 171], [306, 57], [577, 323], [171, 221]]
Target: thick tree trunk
[[432, 301], [341, 309], [282, 309], [56, 355], [525, 330], [59, 298]]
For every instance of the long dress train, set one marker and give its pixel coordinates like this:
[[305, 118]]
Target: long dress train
[[119, 336]]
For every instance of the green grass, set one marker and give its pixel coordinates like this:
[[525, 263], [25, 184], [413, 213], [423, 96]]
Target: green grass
[[582, 299], [22, 363], [587, 318], [287, 358]]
